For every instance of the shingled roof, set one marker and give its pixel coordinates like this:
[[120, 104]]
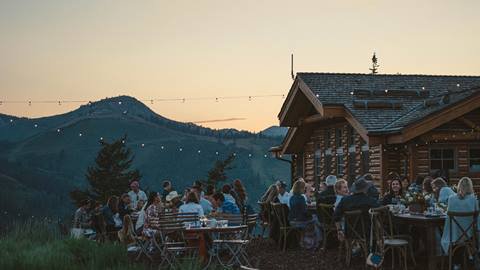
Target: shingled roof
[[411, 91]]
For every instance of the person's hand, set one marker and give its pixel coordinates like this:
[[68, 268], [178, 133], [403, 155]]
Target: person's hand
[[340, 235]]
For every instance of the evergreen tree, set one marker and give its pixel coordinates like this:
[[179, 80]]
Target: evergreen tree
[[218, 173], [111, 174]]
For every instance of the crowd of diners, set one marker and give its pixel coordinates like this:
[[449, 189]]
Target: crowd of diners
[[363, 195], [135, 211]]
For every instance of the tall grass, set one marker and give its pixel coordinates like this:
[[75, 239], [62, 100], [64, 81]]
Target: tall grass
[[39, 245]]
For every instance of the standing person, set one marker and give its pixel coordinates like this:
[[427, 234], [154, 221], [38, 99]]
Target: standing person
[[136, 194], [167, 188], [395, 193], [124, 206], [441, 191], [192, 205], [328, 195], [283, 194], [241, 194], [224, 206], [341, 190], [109, 211]]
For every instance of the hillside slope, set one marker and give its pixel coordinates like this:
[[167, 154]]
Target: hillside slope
[[60, 148]]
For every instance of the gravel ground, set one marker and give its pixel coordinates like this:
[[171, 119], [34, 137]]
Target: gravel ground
[[265, 255]]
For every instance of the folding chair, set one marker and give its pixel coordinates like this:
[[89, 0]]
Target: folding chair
[[355, 233], [467, 238], [325, 216], [385, 238], [171, 242]]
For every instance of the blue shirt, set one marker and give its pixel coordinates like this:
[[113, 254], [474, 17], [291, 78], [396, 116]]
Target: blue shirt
[[298, 208], [445, 193], [230, 208]]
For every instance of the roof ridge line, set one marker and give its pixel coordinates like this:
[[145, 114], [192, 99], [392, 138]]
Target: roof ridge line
[[387, 74]]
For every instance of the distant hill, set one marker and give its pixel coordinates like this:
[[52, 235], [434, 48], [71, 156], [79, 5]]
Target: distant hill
[[46, 157], [275, 131]]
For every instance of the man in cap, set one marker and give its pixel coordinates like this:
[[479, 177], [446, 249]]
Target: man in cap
[[136, 194], [328, 196], [359, 200], [283, 194], [173, 199], [372, 191]]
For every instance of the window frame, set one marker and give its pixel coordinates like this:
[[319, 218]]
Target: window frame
[[469, 158], [443, 147]]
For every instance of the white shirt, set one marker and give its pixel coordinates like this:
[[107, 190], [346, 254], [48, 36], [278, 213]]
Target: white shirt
[[135, 197], [191, 208], [285, 198]]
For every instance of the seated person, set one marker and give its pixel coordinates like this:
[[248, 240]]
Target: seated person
[[154, 210], [126, 233], [82, 220], [358, 201], [283, 194], [298, 205], [224, 206], [173, 201], [206, 204], [108, 213], [341, 190], [463, 201], [228, 193], [441, 191], [191, 205], [328, 195], [395, 193], [124, 206]]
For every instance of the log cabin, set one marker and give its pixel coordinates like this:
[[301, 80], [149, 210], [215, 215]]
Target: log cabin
[[351, 124]]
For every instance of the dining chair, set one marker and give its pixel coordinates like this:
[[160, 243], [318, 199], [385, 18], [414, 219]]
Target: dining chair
[[281, 213], [465, 224], [355, 233], [325, 216], [386, 239]]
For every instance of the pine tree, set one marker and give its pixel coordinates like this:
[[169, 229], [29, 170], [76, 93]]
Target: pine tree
[[111, 174], [218, 173], [375, 65]]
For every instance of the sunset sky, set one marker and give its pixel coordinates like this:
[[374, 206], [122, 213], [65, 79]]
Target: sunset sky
[[88, 50]]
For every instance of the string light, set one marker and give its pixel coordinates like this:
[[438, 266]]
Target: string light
[[35, 125], [161, 147], [249, 155], [80, 134], [180, 149], [143, 145], [199, 151], [58, 130], [216, 153]]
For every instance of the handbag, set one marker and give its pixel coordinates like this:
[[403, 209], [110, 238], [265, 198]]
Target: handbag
[[374, 259]]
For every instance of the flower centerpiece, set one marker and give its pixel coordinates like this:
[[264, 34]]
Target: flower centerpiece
[[417, 201]]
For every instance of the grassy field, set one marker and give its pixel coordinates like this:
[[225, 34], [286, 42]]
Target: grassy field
[[37, 245]]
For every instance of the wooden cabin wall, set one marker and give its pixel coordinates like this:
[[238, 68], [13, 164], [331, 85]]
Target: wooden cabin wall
[[317, 141], [456, 134]]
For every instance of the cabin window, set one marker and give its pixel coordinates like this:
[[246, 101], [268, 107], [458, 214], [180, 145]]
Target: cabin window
[[351, 136], [299, 164], [442, 159], [318, 159], [328, 162], [474, 160], [351, 167], [340, 165], [365, 160], [338, 137]]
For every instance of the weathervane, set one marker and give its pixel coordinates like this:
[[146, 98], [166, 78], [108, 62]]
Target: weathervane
[[375, 65]]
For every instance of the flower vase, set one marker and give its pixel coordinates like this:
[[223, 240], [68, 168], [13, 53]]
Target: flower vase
[[416, 208]]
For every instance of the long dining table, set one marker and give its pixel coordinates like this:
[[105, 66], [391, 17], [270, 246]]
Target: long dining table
[[428, 224]]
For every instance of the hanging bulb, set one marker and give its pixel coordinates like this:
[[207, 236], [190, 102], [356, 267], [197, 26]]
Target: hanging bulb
[[250, 98], [1, 102], [80, 134], [119, 103], [161, 147], [11, 120], [101, 138], [151, 101], [249, 155], [199, 151], [143, 145], [216, 153], [216, 99], [58, 130], [180, 149], [35, 125], [265, 155]]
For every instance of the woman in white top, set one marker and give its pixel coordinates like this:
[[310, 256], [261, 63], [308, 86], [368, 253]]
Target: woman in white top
[[192, 205]]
